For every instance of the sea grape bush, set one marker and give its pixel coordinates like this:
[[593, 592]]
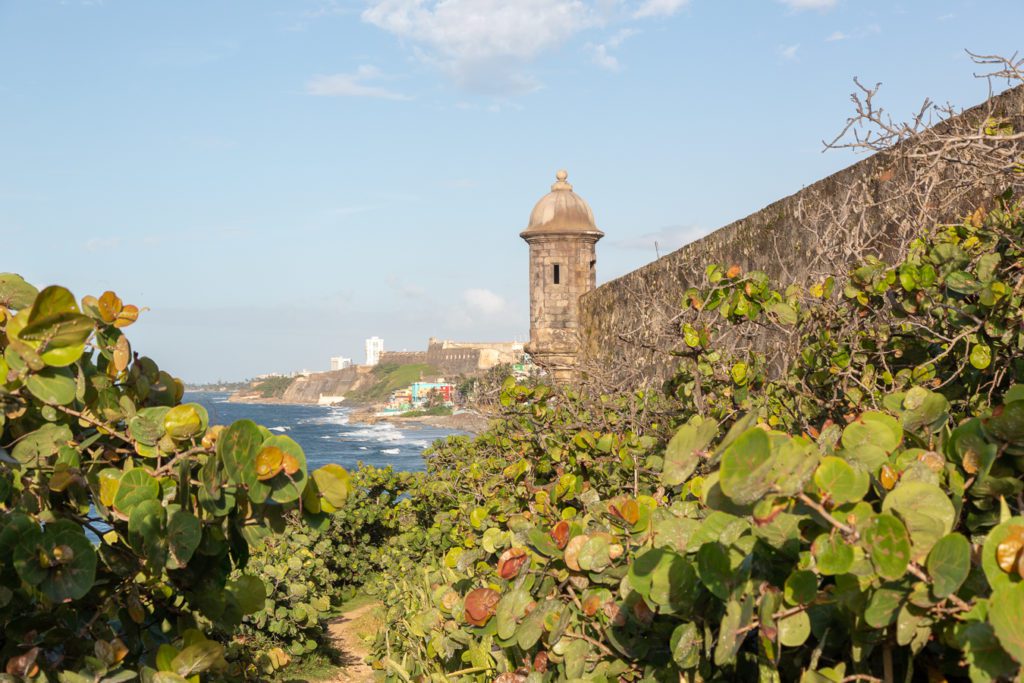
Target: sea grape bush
[[319, 562], [947, 316], [855, 515], [381, 521], [301, 594], [126, 519]]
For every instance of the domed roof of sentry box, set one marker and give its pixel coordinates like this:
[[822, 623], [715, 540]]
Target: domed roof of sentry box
[[561, 211]]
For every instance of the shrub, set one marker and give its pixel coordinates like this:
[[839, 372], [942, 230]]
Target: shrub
[[321, 562], [853, 515], [123, 513]]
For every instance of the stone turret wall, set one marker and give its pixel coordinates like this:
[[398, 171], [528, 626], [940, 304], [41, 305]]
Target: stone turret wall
[[630, 323]]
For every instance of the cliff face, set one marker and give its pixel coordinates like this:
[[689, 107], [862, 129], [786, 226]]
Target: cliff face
[[315, 388], [310, 388]]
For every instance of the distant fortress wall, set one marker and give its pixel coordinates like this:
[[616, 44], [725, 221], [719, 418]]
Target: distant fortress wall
[[458, 358], [403, 358], [632, 323]]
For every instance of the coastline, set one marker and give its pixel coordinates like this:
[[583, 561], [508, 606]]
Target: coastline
[[467, 421], [361, 413]]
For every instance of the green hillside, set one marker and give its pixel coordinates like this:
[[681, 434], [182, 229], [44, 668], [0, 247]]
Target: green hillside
[[387, 378]]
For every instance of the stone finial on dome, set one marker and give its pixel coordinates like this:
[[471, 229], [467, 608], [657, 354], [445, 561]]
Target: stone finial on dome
[[561, 181], [561, 211]]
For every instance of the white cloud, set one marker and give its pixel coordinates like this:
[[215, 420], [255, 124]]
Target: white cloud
[[659, 8], [352, 85], [789, 51], [857, 34], [484, 44], [799, 5], [601, 53], [406, 290], [483, 301]]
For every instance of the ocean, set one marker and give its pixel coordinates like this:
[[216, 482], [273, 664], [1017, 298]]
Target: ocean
[[325, 433]]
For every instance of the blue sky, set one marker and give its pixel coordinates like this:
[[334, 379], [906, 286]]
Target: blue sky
[[277, 180]]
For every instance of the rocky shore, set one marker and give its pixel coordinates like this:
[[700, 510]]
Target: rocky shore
[[465, 421]]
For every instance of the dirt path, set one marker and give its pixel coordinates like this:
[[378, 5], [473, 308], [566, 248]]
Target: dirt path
[[344, 632]]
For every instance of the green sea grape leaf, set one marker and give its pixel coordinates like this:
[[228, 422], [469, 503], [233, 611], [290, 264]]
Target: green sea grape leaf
[[924, 409], [61, 561], [714, 569], [794, 629], [510, 610], [134, 487], [594, 555], [981, 356], [237, 447], [250, 592], [670, 583], [197, 658], [988, 661], [683, 453], [147, 425], [184, 532], [873, 428], [52, 385], [745, 472], [686, 645], [832, 554], [186, 421], [36, 446], [887, 541], [949, 563], [15, 293], [55, 327], [738, 614], [801, 587], [334, 483], [841, 481], [165, 654], [882, 606], [1006, 614], [869, 456], [1006, 422], [925, 510], [542, 542]]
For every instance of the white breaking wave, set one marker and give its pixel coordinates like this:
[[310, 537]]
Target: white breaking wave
[[333, 416], [391, 451], [279, 429], [384, 432]]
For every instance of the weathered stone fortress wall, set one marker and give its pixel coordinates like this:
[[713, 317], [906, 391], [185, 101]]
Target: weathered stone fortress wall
[[458, 358], [403, 357], [632, 322]]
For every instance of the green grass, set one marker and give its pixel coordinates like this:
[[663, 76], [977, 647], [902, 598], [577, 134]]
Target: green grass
[[273, 387], [436, 410], [315, 666], [355, 602], [389, 377]]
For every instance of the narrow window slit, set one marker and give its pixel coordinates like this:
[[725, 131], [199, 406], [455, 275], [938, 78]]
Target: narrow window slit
[[556, 274]]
